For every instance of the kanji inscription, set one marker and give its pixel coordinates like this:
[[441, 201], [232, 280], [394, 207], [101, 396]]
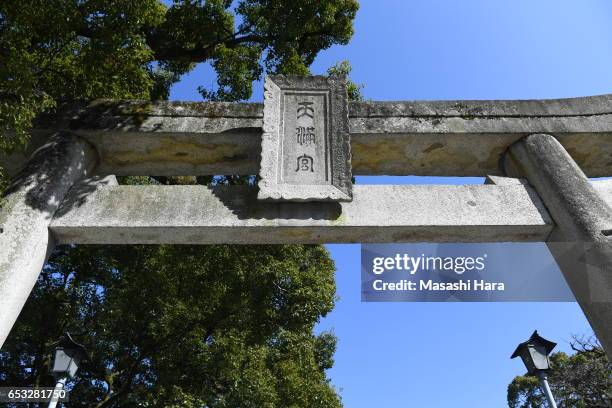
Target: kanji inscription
[[306, 142]]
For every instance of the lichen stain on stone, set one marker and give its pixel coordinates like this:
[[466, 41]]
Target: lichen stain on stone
[[172, 150], [386, 156], [144, 108], [209, 110], [433, 147], [213, 110], [440, 158], [586, 153], [138, 112], [298, 235], [375, 157]]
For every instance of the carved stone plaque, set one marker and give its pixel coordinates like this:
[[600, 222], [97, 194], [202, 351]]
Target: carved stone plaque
[[305, 153]]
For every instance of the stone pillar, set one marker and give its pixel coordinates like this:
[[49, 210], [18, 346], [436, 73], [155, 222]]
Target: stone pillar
[[27, 208], [581, 242]]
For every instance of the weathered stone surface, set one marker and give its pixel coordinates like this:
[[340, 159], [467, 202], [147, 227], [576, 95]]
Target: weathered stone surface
[[305, 144], [447, 138], [581, 241], [201, 215], [27, 210], [573, 202]]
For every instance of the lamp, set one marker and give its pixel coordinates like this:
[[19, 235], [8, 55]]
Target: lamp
[[66, 361], [534, 353]]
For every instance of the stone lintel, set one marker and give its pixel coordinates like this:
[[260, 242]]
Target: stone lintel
[[233, 215], [445, 138]]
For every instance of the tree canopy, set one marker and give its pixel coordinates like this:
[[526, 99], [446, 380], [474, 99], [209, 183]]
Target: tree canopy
[[57, 50], [182, 326], [170, 326], [580, 380]]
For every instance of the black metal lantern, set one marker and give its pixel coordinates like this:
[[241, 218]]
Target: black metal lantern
[[68, 356], [534, 353]]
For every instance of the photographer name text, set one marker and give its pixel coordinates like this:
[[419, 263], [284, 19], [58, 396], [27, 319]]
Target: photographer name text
[[413, 265]]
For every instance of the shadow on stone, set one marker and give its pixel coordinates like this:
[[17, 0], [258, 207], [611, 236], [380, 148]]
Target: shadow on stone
[[243, 202], [51, 171]]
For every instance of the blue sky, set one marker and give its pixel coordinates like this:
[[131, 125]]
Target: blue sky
[[429, 354]]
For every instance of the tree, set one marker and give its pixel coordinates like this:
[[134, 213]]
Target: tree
[[353, 89], [184, 326], [208, 326], [581, 380], [57, 50]]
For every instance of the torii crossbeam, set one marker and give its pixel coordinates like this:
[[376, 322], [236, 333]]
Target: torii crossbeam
[[536, 155]]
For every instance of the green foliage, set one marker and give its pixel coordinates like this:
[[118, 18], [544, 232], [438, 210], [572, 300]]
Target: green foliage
[[52, 51], [60, 50], [213, 326], [581, 380], [353, 89], [294, 31]]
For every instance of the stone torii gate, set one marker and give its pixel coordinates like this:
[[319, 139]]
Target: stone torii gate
[[536, 155]]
